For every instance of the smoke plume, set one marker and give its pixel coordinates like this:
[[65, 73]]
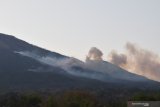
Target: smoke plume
[[68, 64], [94, 54], [138, 60], [118, 59], [135, 59]]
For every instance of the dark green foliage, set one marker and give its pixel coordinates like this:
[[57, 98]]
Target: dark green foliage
[[51, 102], [78, 99], [141, 96], [73, 99], [67, 99], [11, 100], [31, 100], [16, 100]]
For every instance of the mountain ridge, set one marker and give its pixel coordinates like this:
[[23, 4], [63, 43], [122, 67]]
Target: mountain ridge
[[17, 46], [62, 67]]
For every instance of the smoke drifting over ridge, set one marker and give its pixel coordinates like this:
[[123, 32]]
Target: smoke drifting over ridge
[[138, 60], [135, 60], [68, 64], [117, 59]]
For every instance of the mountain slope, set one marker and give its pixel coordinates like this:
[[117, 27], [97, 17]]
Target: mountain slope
[[11, 43], [25, 66]]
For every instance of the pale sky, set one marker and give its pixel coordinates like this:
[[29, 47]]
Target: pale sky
[[72, 27]]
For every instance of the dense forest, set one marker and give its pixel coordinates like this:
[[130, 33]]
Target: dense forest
[[74, 98]]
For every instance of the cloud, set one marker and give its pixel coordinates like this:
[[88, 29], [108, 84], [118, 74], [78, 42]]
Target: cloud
[[138, 60]]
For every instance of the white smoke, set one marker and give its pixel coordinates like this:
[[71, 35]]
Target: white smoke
[[65, 63], [138, 60], [135, 59], [117, 59]]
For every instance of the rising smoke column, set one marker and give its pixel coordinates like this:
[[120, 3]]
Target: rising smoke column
[[94, 54], [94, 60], [138, 60]]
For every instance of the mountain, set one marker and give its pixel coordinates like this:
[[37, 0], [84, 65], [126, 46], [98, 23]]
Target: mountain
[[25, 66]]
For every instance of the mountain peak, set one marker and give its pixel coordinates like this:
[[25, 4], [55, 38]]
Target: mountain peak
[[20, 57]]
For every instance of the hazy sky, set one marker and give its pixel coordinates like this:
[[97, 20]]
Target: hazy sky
[[72, 27]]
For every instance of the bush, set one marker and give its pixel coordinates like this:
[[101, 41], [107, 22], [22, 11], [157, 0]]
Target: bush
[[78, 99], [51, 102], [146, 97]]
